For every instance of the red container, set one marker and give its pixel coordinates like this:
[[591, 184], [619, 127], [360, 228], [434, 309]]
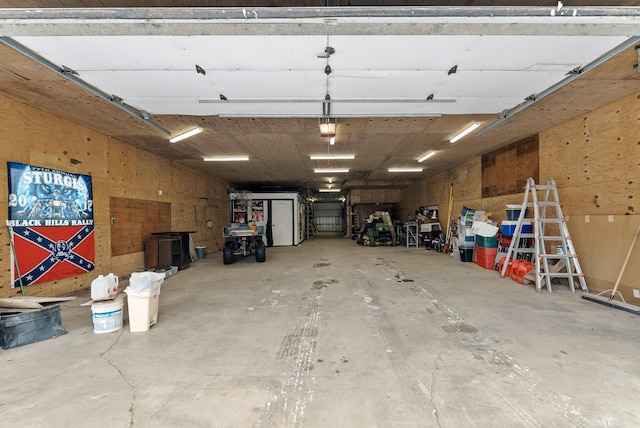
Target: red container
[[485, 257], [501, 265], [519, 269], [514, 268]]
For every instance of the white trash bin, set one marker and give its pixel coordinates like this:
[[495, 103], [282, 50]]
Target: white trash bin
[[143, 296], [143, 308]]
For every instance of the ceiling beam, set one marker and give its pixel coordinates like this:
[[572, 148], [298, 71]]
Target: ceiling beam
[[547, 21]]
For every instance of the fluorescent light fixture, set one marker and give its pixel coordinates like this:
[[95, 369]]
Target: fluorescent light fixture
[[328, 129], [331, 157], [329, 190], [227, 158], [187, 134], [332, 141], [465, 132], [427, 156], [330, 170], [405, 169]]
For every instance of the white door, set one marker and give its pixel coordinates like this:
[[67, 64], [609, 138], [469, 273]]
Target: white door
[[282, 222]]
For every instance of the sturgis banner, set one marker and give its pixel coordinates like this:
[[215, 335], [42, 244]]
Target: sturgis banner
[[51, 219]]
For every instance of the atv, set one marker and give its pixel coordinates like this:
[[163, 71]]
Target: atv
[[243, 240]]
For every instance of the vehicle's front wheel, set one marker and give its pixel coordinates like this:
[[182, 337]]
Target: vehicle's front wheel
[[261, 252], [227, 253]]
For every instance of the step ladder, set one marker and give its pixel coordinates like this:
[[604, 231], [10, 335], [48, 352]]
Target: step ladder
[[312, 229], [548, 228]]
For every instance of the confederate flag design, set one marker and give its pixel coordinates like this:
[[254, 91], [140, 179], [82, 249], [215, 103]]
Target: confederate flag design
[[48, 253]]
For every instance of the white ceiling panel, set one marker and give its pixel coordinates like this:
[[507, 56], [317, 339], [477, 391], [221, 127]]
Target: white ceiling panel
[[233, 84], [475, 52], [261, 75], [181, 52]]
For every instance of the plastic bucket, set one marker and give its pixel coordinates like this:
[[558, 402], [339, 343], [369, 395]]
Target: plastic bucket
[[143, 308], [201, 252], [107, 316]]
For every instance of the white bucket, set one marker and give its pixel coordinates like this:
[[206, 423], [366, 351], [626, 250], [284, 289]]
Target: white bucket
[[107, 316]]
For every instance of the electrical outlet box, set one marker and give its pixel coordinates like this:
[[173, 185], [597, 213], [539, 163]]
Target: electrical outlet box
[[636, 293]]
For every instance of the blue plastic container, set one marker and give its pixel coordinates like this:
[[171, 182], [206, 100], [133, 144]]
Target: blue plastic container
[[509, 227], [513, 211]]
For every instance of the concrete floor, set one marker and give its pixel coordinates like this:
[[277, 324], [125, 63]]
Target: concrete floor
[[332, 334]]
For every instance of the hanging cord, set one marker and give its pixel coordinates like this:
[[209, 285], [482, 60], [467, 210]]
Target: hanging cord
[[15, 258]]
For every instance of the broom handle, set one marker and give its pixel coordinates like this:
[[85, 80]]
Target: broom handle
[[448, 235], [624, 265]]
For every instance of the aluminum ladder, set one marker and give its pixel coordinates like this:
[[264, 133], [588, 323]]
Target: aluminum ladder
[[312, 229], [549, 228]]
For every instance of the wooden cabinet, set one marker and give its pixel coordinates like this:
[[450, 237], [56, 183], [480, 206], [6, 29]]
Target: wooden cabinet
[[169, 253], [178, 254], [162, 253], [151, 254]]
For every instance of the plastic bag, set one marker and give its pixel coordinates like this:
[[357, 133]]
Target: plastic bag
[[145, 280]]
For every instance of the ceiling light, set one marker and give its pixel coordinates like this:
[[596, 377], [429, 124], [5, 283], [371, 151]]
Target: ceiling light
[[227, 158], [329, 190], [187, 134], [330, 170], [465, 132], [427, 156], [327, 129], [332, 141], [331, 157], [405, 169]]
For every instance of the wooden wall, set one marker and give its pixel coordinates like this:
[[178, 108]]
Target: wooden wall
[[373, 196], [595, 160], [133, 221], [505, 171], [118, 171]]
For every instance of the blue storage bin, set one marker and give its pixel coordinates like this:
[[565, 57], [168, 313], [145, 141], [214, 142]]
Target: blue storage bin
[[509, 227]]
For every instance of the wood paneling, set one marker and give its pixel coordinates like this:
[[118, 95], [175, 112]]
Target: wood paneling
[[595, 159], [506, 170], [133, 221], [466, 180], [126, 183], [372, 196]]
